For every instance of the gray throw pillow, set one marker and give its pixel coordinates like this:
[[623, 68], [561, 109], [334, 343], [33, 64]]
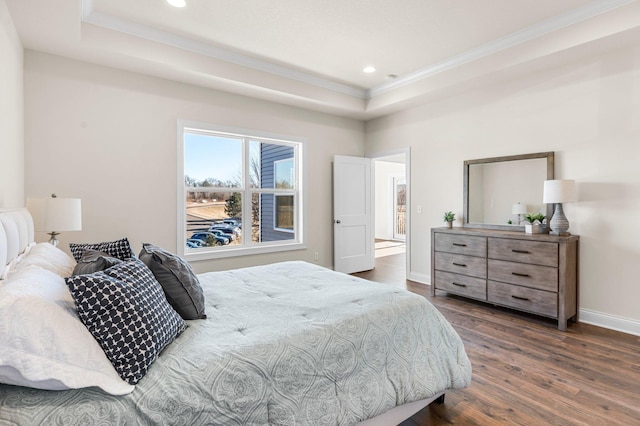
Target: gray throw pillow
[[93, 261], [180, 284]]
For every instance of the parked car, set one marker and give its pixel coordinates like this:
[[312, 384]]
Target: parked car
[[210, 239], [223, 233], [191, 244], [227, 229], [195, 242], [233, 222]]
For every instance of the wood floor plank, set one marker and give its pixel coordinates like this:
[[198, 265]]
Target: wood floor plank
[[525, 371]]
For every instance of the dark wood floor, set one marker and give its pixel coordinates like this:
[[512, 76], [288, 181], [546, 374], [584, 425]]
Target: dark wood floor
[[525, 371]]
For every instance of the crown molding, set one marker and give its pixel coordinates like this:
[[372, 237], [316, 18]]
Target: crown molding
[[540, 29], [91, 16], [574, 16]]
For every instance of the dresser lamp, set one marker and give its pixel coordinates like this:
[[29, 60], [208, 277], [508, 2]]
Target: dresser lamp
[[54, 215], [557, 192], [519, 210]]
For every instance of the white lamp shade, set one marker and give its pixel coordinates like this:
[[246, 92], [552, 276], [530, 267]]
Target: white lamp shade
[[559, 191], [518, 208], [56, 214]]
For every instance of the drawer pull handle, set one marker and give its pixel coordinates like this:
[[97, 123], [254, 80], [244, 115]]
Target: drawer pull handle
[[459, 245], [520, 298], [520, 251], [459, 285], [460, 264], [518, 274]]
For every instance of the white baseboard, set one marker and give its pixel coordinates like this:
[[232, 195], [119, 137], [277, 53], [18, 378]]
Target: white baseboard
[[612, 322]]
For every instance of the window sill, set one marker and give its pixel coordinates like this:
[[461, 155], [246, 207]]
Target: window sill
[[195, 255]]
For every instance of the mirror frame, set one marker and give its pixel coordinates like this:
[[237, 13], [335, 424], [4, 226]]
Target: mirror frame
[[465, 204]]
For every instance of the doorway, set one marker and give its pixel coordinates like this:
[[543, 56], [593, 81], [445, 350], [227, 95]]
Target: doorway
[[390, 187]]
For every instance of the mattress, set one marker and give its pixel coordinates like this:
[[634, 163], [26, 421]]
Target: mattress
[[287, 343]]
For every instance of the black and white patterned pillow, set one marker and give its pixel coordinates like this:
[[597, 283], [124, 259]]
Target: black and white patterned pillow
[[119, 248], [126, 311]]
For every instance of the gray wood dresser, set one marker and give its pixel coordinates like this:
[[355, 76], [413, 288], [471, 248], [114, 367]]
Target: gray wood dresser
[[536, 273]]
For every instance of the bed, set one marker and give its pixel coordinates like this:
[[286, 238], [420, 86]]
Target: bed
[[286, 343]]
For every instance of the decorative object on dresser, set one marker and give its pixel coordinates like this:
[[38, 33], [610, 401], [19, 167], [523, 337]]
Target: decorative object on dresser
[[53, 215], [557, 192], [519, 210], [449, 217], [536, 273], [535, 224]]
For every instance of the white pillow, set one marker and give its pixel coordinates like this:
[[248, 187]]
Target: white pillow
[[43, 343], [48, 257], [11, 265]]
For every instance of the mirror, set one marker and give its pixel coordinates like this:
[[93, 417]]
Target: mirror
[[493, 185]]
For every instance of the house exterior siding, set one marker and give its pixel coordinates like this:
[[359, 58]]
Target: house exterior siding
[[269, 155]]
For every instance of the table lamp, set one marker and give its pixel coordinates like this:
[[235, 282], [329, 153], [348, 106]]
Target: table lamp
[[556, 192], [53, 215]]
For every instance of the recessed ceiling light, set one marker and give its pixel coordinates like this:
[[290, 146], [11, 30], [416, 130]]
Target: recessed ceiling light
[[177, 3], [369, 69]]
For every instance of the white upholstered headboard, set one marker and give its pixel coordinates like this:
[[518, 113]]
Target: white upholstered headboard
[[16, 233]]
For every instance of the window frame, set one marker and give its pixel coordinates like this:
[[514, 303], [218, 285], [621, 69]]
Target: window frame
[[275, 214], [248, 248]]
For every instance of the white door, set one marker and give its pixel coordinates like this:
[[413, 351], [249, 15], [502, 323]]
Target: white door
[[352, 217]]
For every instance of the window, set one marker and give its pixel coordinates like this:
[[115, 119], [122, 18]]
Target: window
[[283, 207], [284, 213], [242, 192]]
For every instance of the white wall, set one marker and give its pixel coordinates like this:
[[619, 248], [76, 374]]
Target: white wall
[[110, 138], [11, 114], [588, 112], [384, 193]]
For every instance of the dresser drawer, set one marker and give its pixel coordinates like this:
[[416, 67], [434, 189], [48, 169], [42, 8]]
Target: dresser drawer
[[535, 276], [461, 284], [526, 299], [461, 264], [461, 244], [534, 252]]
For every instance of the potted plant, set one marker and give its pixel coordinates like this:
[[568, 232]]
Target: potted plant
[[536, 223], [449, 217]]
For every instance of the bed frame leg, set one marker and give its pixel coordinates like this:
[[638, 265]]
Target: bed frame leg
[[440, 399]]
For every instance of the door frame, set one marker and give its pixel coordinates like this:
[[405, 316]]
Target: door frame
[[407, 171]]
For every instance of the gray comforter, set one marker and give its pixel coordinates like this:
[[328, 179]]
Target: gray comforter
[[283, 344]]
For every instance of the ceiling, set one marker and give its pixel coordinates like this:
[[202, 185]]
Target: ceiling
[[311, 53]]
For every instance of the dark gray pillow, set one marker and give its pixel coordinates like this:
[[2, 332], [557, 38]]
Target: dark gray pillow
[[93, 261], [180, 284]]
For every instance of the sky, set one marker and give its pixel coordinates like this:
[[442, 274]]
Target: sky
[[208, 156]]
